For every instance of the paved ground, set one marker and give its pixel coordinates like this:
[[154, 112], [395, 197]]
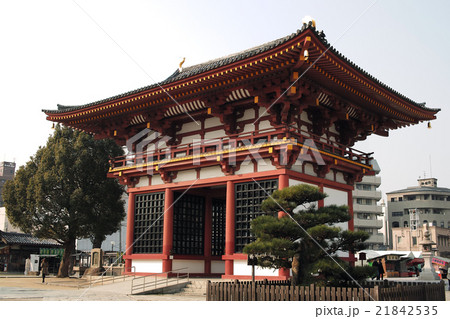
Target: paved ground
[[56, 289]]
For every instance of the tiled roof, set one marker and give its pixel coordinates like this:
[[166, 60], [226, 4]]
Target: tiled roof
[[25, 239], [219, 62]]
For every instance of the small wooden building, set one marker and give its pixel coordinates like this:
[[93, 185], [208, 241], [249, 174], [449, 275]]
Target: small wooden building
[[15, 248]]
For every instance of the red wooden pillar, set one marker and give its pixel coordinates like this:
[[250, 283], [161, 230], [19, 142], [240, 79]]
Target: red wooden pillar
[[229, 228], [283, 182], [208, 234], [130, 232], [351, 223], [321, 202], [167, 230]]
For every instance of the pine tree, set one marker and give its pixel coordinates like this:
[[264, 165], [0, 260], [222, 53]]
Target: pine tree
[[63, 193], [305, 238]]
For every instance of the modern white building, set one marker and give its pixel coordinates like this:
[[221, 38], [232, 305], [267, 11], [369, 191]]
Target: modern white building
[[414, 206], [366, 210], [5, 225]]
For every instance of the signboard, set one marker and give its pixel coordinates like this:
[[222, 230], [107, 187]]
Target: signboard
[[52, 251], [392, 257], [439, 261]]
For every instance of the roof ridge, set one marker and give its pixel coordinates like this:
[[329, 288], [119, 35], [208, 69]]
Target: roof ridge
[[240, 55]]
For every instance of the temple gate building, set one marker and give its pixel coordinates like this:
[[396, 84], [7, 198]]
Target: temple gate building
[[209, 143]]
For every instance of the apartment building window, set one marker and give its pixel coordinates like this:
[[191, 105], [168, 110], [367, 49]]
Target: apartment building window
[[442, 224], [397, 214], [410, 197], [364, 187], [434, 223], [395, 224], [393, 199], [405, 224], [414, 241], [364, 201], [426, 196], [399, 239]]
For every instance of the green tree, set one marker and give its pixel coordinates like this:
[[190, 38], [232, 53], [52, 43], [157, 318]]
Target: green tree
[[305, 238], [63, 193]]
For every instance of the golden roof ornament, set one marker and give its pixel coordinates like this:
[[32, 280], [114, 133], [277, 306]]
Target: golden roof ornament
[[181, 65], [307, 20]]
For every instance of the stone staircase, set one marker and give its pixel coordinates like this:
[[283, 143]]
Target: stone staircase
[[196, 287]]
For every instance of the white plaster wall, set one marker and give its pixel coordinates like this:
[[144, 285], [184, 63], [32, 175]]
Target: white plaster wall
[[217, 267], [215, 134], [212, 171], [248, 114], [212, 122], [304, 117], [304, 130], [161, 145], [309, 169], [156, 180], [248, 128], [190, 127], [336, 197], [332, 129], [297, 166], [340, 178], [264, 125], [330, 176], [240, 268], [190, 139], [150, 266], [262, 111], [187, 175], [265, 165], [193, 266], [246, 167], [143, 181]]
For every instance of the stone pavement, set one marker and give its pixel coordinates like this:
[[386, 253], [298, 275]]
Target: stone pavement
[[65, 289]]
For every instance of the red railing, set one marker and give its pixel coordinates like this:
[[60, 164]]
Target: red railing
[[211, 147]]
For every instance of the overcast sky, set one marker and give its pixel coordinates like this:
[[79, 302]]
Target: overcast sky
[[77, 52]]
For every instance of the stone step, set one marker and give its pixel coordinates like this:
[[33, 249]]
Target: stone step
[[195, 288]]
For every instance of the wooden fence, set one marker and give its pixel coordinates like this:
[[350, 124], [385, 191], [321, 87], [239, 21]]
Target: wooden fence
[[284, 291]]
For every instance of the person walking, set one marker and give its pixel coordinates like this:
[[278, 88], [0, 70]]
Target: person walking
[[380, 270], [44, 269]]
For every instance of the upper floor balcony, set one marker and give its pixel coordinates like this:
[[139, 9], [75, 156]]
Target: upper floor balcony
[[283, 145], [374, 194], [374, 209]]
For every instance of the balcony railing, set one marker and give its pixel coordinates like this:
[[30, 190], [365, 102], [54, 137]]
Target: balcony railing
[[233, 145]]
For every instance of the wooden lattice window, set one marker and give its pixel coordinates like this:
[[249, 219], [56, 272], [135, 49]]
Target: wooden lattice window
[[188, 225], [148, 223], [218, 227], [249, 197]]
